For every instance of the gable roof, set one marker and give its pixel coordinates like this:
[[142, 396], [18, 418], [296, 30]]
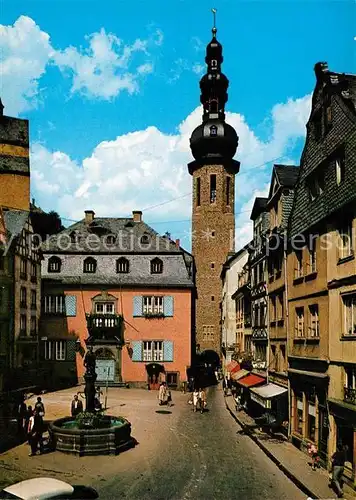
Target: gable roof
[[15, 221], [259, 206], [283, 176]]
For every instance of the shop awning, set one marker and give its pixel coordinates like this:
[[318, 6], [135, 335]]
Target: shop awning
[[233, 366], [251, 380], [239, 374], [263, 394]]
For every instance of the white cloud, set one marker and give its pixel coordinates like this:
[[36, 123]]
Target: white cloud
[[25, 52], [198, 68], [147, 168], [102, 70], [197, 43], [106, 67]]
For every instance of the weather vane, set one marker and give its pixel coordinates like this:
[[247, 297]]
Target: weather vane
[[214, 15]]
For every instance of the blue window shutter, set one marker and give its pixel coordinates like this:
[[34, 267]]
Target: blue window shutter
[[137, 306], [71, 350], [168, 305], [71, 305], [167, 350], [137, 350]]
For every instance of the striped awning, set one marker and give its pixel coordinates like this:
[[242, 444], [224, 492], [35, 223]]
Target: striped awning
[[232, 366]]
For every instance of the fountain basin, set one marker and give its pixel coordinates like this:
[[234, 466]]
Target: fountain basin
[[112, 437]]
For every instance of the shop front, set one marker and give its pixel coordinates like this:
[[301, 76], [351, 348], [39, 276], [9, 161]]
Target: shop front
[[244, 385], [308, 412], [343, 432], [273, 398]]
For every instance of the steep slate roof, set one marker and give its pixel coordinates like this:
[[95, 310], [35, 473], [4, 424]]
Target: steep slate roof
[[127, 233], [15, 221], [287, 175], [319, 155], [259, 206], [177, 263]]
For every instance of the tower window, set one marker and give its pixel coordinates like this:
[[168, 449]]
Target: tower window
[[213, 130], [213, 188], [198, 191], [212, 298], [228, 185], [212, 265], [214, 63]]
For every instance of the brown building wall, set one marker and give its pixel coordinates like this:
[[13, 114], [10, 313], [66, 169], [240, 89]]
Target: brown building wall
[[213, 229], [15, 191]]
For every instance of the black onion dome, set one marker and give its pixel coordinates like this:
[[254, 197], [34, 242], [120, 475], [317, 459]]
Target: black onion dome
[[214, 138], [214, 51]]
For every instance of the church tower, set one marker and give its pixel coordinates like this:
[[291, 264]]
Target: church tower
[[14, 162], [213, 145]]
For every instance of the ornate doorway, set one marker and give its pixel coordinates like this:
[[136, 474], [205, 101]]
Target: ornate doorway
[[105, 365]]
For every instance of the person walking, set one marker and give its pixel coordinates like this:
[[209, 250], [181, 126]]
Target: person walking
[[35, 430], [21, 413], [162, 394], [195, 399], [313, 453], [338, 463], [39, 407], [202, 400], [225, 385], [76, 406], [28, 415]]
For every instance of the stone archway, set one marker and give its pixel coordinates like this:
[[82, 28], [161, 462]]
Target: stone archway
[[210, 358], [207, 364]]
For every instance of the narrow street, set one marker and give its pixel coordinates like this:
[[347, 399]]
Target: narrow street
[[202, 457]]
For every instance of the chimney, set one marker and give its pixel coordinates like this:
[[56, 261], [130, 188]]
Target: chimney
[[89, 216], [178, 243], [137, 215]]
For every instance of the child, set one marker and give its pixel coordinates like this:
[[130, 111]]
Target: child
[[313, 452]]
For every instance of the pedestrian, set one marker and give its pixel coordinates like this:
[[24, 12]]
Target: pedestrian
[[28, 415], [338, 463], [76, 406], [202, 400], [35, 431], [169, 397], [195, 399], [225, 385], [39, 406], [162, 394], [313, 453], [21, 413]]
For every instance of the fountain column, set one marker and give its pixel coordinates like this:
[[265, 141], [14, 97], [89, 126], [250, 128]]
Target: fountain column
[[90, 379]]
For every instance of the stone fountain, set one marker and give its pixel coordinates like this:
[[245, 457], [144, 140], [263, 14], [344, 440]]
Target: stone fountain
[[91, 433]]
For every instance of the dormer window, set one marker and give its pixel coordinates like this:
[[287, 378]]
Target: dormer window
[[156, 266], [122, 265], [145, 239], [213, 130], [54, 265], [89, 265]]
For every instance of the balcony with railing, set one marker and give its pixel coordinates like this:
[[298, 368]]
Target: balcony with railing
[[350, 395], [105, 327]]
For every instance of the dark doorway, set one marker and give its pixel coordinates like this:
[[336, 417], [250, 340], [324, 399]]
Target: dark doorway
[[155, 373]]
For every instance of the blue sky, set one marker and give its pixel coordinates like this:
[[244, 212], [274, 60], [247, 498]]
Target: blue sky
[[111, 91]]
